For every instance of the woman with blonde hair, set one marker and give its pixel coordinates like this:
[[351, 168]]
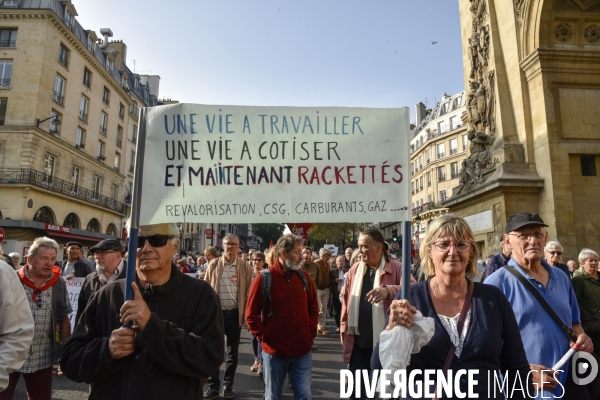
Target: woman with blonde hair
[[475, 327]]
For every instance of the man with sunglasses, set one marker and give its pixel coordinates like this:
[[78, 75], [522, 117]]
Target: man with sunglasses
[[230, 277], [50, 306], [544, 340], [161, 344], [553, 253], [110, 266]]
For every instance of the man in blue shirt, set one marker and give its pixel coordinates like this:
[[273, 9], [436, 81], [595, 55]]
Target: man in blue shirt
[[544, 341]]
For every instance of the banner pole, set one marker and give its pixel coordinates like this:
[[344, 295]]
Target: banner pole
[[405, 259], [136, 199]]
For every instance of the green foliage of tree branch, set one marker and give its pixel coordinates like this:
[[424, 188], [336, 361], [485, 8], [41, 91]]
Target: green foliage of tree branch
[[338, 234], [268, 232]]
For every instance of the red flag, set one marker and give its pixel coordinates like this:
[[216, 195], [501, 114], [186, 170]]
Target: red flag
[[301, 229]]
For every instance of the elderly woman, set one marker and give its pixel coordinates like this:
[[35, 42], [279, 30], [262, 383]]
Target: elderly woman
[[587, 290], [553, 253], [489, 340]]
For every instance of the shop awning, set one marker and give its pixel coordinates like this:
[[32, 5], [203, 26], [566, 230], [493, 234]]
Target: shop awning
[[74, 237]]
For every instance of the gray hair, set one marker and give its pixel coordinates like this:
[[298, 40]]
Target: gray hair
[[553, 244], [229, 236], [287, 243], [585, 254], [42, 242], [324, 252], [172, 229]]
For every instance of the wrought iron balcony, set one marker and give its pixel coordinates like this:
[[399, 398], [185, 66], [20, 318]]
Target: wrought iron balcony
[[103, 130], [83, 116], [58, 97], [5, 83], [119, 143], [134, 110], [32, 177], [8, 43]]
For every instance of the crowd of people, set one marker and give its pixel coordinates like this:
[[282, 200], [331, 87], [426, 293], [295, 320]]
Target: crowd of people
[[517, 312]]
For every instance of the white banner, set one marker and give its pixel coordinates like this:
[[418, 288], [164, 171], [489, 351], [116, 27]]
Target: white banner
[[73, 289], [238, 164]]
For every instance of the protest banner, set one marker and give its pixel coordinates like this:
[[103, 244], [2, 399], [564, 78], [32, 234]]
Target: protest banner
[[73, 289], [242, 164]]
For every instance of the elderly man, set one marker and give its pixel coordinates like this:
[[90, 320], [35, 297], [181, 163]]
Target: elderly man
[[553, 252], [323, 289], [289, 327], [49, 303], [572, 265], [110, 266], [370, 288], [336, 282], [348, 256], [177, 335], [544, 340], [497, 261], [16, 324], [230, 277], [310, 266], [74, 267]]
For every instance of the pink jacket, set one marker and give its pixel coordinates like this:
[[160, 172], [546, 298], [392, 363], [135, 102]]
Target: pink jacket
[[390, 278]]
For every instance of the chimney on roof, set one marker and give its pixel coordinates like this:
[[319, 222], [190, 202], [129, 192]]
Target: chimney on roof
[[420, 113]]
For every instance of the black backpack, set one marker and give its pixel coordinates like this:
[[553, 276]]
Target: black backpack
[[267, 283]]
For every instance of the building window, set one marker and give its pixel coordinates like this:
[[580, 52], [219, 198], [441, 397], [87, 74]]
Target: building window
[[59, 87], [134, 110], [588, 165], [454, 170], [48, 169], [53, 127], [465, 141], [87, 77], [91, 45], [3, 105], [134, 136], [117, 161], [132, 162], [428, 178], [119, 136], [71, 221], [83, 109], [115, 191], [442, 196], [75, 174], [421, 183], [453, 146], [441, 174], [455, 122], [428, 198], [103, 123], [80, 139], [121, 111], [442, 127], [100, 152], [8, 38], [108, 64], [96, 189], [68, 19], [440, 148], [106, 96], [5, 73], [63, 55]]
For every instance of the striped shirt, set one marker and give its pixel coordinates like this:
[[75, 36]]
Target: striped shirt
[[228, 286]]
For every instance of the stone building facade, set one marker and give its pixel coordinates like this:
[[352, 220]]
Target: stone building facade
[[68, 111]]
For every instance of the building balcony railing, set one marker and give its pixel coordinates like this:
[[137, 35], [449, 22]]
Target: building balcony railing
[[101, 158], [58, 97], [440, 155], [454, 175], [32, 177], [83, 116], [63, 60], [5, 83], [425, 207], [119, 142], [8, 43], [134, 110], [103, 130], [80, 146], [441, 178]]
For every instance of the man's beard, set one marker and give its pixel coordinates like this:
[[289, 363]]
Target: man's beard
[[291, 266], [99, 268]]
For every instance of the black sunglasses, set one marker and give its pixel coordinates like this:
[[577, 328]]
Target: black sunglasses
[[38, 298], [154, 240]]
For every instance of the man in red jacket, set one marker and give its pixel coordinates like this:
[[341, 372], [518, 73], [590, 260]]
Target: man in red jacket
[[289, 325]]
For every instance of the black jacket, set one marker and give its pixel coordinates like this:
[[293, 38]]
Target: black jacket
[[90, 286], [181, 344], [81, 269]]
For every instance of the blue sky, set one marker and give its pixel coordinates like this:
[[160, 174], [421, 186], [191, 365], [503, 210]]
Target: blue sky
[[348, 53]]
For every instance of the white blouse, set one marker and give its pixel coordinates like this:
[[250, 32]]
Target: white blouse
[[451, 326]]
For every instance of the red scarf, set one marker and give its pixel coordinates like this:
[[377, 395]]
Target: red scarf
[[26, 281]]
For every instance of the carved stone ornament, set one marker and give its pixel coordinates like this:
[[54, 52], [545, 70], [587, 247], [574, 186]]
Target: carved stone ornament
[[577, 5], [592, 33], [563, 32], [496, 236], [519, 9], [480, 115]]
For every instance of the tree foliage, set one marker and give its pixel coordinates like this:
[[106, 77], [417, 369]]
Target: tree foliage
[[341, 234], [268, 232]]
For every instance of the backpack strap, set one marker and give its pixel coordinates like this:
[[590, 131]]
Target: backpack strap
[[267, 283], [304, 280]]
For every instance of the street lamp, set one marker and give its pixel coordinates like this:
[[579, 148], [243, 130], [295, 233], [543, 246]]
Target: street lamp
[[54, 118]]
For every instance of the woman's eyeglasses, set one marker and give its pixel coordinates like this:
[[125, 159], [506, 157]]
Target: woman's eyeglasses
[[444, 245], [154, 240]]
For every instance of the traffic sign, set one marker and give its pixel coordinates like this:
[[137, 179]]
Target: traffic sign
[[395, 246], [1, 234]]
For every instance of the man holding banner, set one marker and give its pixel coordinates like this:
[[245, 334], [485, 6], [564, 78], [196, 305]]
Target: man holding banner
[[177, 335]]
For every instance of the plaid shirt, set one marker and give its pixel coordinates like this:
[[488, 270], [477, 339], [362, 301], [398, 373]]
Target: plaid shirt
[[41, 352]]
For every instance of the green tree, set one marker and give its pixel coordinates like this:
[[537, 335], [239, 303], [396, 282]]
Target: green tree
[[268, 232], [340, 234]]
